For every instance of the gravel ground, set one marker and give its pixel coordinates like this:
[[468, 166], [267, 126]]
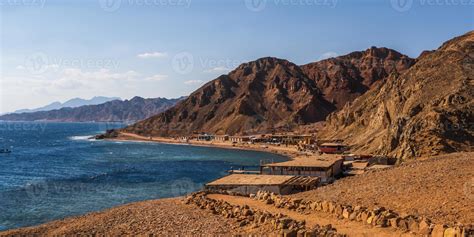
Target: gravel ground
[[441, 188], [164, 217]]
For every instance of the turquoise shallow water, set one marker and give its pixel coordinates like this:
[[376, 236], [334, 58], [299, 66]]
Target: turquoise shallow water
[[56, 172]]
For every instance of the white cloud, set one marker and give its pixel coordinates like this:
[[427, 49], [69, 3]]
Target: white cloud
[[193, 82], [157, 77], [153, 55], [328, 55], [217, 69]]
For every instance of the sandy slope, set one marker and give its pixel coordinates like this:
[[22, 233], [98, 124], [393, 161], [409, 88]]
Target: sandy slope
[[441, 188], [165, 217]]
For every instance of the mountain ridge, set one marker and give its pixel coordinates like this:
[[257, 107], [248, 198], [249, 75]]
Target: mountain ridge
[[261, 96], [428, 110], [131, 110], [72, 103]]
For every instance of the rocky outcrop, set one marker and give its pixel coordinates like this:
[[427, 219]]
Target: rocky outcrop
[[378, 217], [343, 79], [114, 111], [425, 111]]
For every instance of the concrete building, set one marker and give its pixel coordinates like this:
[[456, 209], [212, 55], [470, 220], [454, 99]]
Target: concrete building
[[324, 167], [239, 139], [221, 138], [333, 148]]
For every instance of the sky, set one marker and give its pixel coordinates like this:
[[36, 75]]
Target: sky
[[55, 50]]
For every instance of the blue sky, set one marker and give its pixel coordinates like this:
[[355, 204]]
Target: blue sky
[[55, 50]]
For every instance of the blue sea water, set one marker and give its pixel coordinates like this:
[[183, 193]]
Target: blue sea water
[[54, 171]]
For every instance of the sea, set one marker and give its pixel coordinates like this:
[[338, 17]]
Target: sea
[[55, 171]]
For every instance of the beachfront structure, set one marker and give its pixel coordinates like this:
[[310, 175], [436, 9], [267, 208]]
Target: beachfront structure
[[204, 137], [246, 184], [221, 138], [324, 167], [239, 139], [333, 148]]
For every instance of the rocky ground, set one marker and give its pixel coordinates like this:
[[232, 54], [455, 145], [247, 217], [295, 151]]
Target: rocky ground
[[441, 188], [165, 217]]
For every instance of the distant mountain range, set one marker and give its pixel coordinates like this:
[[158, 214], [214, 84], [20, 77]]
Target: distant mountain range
[[113, 111], [72, 103]]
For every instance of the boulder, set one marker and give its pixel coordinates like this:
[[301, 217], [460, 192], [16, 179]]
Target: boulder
[[288, 233], [338, 210], [346, 213], [394, 222], [424, 227]]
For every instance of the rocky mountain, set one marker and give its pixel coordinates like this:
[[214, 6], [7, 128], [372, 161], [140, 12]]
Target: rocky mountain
[[113, 111], [274, 95], [425, 111], [72, 103], [261, 96], [342, 79]]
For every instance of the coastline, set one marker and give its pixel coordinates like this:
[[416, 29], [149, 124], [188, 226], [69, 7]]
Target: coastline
[[81, 220], [289, 152]]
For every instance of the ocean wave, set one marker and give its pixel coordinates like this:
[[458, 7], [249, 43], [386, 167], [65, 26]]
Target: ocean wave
[[81, 138]]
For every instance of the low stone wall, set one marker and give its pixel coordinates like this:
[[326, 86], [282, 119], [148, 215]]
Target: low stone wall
[[246, 216], [379, 217]]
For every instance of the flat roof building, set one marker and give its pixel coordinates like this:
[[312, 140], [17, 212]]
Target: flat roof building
[[252, 183], [324, 167]]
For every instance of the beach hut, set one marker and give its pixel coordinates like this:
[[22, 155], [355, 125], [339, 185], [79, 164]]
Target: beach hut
[[324, 167], [246, 184], [333, 148]]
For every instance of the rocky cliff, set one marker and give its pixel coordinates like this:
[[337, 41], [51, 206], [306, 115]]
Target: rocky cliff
[[114, 111], [275, 95], [427, 110], [342, 79]]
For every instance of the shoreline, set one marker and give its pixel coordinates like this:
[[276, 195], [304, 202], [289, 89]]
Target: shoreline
[[286, 152], [289, 152]]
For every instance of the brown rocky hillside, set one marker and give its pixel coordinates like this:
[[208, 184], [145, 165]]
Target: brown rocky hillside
[[342, 79], [260, 96], [274, 95], [425, 111]]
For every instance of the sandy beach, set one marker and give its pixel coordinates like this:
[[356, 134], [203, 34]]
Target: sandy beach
[[289, 151]]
